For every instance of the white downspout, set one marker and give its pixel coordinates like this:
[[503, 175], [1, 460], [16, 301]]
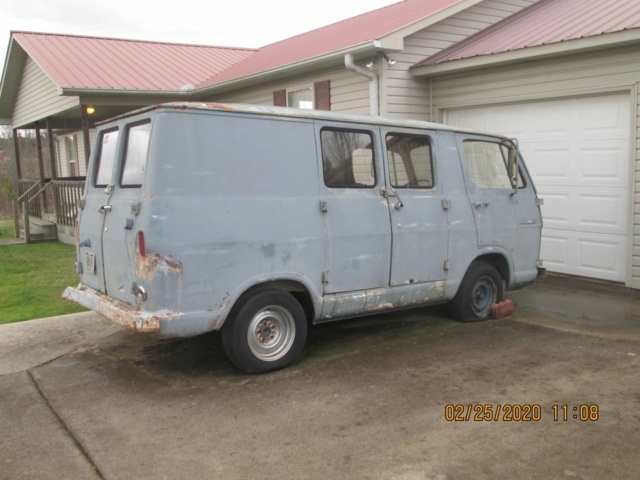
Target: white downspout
[[373, 82]]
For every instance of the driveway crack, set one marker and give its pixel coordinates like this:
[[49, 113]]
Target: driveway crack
[[66, 428]]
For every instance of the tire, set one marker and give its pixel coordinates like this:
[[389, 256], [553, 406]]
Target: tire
[[265, 331], [480, 289]]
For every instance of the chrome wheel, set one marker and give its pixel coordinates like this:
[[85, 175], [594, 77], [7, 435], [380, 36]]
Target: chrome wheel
[[271, 333]]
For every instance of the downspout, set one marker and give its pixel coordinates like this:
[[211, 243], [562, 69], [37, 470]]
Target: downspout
[[373, 83]]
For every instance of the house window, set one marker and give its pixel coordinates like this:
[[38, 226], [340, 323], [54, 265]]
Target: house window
[[301, 98], [347, 159], [71, 143]]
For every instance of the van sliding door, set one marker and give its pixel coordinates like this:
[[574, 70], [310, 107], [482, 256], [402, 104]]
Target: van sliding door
[[418, 213]]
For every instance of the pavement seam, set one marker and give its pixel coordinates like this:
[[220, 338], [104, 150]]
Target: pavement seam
[[66, 428]]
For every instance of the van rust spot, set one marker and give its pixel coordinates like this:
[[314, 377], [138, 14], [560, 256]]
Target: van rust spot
[[147, 267]]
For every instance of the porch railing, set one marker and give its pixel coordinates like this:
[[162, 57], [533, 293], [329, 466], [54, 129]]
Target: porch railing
[[67, 192], [34, 197]]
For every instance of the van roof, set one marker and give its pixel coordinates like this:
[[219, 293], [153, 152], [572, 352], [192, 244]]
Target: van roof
[[294, 113]]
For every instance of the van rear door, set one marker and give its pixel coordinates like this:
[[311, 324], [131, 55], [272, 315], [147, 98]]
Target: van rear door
[[94, 207], [112, 203]]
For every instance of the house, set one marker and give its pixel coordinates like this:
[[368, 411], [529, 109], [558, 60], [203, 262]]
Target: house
[[560, 75]]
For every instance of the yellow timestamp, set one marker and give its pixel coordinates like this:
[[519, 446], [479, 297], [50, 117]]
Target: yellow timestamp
[[517, 412], [586, 412]]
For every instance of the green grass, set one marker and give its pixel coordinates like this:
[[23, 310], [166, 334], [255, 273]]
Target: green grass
[[32, 279], [6, 228]]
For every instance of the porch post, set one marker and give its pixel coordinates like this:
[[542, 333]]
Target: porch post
[[54, 162], [41, 166], [85, 135], [16, 149], [52, 150]]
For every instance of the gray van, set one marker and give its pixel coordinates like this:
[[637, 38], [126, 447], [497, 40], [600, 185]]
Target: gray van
[[258, 221]]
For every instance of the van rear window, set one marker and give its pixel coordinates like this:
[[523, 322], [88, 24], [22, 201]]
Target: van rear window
[[106, 158], [135, 155]]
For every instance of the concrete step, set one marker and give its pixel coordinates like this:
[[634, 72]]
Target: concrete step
[[38, 225], [41, 230]]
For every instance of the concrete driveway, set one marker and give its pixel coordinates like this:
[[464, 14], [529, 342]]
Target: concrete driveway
[[81, 399]]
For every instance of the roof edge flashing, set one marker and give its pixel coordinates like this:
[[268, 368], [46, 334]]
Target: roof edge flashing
[[567, 47]]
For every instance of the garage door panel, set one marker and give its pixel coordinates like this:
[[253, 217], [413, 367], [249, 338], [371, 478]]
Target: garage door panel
[[592, 255], [577, 151], [602, 164], [596, 210]]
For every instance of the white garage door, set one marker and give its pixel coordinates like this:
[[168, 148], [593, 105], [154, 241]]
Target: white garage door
[[578, 153]]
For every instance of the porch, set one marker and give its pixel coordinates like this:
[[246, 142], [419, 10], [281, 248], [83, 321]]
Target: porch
[[48, 209]]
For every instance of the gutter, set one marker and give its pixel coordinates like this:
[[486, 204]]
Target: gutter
[[373, 83]]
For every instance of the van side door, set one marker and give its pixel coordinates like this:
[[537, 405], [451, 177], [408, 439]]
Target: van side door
[[417, 207], [356, 216]]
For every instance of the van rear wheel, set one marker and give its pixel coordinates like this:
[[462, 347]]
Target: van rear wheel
[[265, 331], [480, 289]]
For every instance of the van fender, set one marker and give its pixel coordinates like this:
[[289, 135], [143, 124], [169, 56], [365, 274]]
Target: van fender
[[499, 257], [269, 281]]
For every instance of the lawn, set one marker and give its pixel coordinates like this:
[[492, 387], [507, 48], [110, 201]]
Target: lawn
[[6, 228], [32, 278]]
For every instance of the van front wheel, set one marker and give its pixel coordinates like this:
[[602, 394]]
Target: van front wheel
[[480, 289], [266, 331]]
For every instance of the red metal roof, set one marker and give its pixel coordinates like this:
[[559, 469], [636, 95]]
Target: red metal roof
[[546, 22], [116, 64], [338, 36]]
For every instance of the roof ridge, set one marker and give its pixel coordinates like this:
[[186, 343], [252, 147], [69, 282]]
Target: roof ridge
[[131, 40], [335, 23]]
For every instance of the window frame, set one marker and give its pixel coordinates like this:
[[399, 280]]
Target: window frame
[[68, 141], [123, 165], [96, 170], [502, 146], [429, 145], [299, 88], [372, 137]]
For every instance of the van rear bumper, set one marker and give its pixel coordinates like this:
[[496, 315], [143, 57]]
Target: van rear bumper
[[121, 313]]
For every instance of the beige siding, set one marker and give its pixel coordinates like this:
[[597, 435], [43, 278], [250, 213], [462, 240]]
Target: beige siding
[[407, 97], [592, 73], [635, 258], [349, 92], [38, 97]]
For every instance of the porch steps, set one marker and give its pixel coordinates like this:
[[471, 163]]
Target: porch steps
[[41, 230]]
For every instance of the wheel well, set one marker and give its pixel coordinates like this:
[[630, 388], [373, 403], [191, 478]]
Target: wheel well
[[499, 263], [298, 290]]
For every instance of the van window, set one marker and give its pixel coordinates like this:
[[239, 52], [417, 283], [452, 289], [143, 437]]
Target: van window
[[487, 164], [347, 158], [410, 164], [106, 158], [135, 155]]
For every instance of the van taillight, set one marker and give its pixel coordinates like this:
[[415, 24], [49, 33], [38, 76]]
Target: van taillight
[[142, 248]]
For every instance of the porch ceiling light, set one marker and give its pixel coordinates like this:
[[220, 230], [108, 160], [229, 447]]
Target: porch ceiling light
[[90, 109]]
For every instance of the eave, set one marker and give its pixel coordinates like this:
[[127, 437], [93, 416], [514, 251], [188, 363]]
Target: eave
[[568, 47]]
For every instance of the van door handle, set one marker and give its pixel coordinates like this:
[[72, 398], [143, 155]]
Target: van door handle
[[105, 208], [481, 204]]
